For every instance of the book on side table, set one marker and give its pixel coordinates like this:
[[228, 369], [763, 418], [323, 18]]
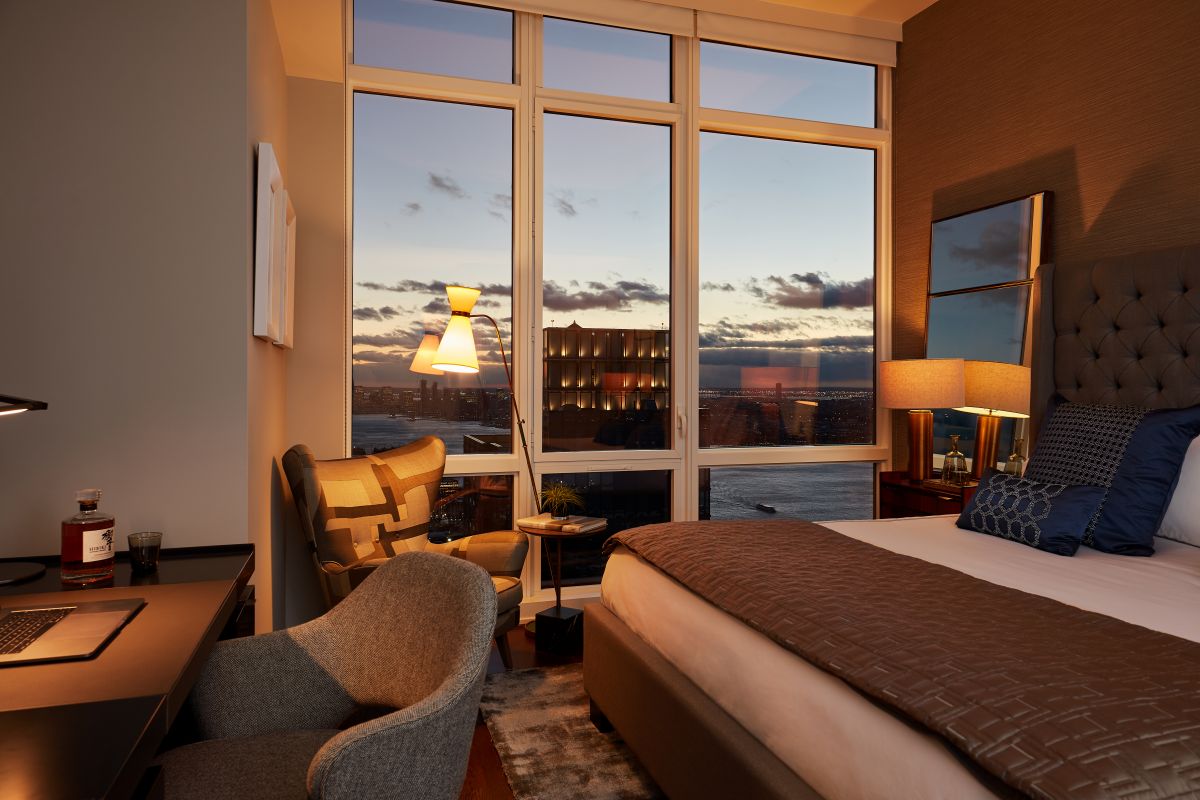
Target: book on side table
[[572, 524]]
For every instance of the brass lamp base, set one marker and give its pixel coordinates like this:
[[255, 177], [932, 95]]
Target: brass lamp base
[[920, 445], [987, 442]]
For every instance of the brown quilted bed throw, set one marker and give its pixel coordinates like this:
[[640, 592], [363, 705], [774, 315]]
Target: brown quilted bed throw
[[1054, 701]]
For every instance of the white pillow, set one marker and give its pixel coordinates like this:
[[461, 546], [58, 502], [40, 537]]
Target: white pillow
[[1182, 520]]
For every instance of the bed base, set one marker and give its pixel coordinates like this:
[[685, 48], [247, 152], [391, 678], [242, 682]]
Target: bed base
[[689, 745]]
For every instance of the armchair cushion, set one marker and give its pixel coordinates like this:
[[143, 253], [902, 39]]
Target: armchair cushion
[[508, 593], [268, 767]]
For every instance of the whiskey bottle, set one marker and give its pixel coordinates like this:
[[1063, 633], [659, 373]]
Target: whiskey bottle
[[87, 541]]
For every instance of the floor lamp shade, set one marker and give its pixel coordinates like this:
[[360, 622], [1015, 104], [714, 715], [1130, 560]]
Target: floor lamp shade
[[423, 361], [920, 385], [456, 353]]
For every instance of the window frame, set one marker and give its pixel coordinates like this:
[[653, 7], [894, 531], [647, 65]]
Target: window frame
[[528, 100]]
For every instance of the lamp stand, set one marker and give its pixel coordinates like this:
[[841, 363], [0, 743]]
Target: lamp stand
[[987, 442], [920, 445], [512, 395]]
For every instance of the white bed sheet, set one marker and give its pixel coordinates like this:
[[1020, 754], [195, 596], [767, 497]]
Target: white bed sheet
[[840, 743]]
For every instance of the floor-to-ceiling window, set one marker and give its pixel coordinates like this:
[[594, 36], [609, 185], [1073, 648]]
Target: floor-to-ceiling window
[[680, 238]]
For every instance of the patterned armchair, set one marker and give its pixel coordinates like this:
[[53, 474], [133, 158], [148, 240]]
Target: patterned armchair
[[359, 512]]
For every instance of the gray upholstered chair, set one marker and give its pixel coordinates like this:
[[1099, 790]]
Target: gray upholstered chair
[[414, 636], [359, 512]]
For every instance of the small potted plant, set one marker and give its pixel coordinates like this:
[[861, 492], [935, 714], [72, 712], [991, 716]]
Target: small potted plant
[[558, 499]]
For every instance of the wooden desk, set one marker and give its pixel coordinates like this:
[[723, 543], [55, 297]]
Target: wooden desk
[[82, 729]]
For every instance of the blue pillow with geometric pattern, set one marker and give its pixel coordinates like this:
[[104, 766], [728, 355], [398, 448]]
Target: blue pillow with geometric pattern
[[1134, 453], [1048, 516]]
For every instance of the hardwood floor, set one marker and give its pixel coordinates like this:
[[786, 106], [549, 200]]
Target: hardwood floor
[[485, 776]]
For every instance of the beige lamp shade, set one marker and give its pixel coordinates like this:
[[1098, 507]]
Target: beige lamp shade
[[996, 389], [922, 383], [456, 352], [423, 361]]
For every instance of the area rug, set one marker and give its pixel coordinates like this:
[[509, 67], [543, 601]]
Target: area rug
[[539, 723]]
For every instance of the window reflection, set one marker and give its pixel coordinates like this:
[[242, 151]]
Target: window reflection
[[604, 60], [786, 85], [813, 492], [606, 292], [626, 499], [436, 210], [787, 293], [433, 36], [471, 504]]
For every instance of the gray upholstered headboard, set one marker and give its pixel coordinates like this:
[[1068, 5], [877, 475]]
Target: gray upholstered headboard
[[1122, 330]]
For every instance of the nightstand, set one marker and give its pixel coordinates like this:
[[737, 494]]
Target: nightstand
[[900, 497]]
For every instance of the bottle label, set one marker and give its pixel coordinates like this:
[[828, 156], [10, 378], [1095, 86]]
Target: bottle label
[[97, 544]]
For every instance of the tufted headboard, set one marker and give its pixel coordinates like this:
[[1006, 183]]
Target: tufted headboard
[[1122, 330]]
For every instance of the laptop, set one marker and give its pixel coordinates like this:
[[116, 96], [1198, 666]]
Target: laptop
[[61, 631]]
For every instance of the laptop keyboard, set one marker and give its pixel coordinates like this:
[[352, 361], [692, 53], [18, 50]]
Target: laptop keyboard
[[22, 628]]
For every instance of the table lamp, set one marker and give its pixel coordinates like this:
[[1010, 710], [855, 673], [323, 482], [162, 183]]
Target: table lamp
[[921, 385], [16, 571], [994, 391], [456, 353]]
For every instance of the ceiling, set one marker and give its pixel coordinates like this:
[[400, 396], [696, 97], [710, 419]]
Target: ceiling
[[886, 10], [310, 31]]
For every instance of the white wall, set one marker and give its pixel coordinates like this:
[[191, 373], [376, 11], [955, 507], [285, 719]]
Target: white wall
[[123, 258], [126, 277]]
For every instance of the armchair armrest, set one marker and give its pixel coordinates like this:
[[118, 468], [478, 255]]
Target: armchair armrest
[[266, 683], [498, 552], [430, 740]]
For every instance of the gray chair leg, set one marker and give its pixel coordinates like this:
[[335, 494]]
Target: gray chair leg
[[505, 652]]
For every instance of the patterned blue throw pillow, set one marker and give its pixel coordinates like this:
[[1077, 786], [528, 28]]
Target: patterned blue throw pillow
[[1048, 516], [1134, 453]]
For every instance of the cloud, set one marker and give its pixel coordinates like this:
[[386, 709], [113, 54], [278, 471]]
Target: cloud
[[719, 348], [999, 246], [366, 313], [563, 203], [710, 286], [412, 208], [501, 201], [619, 296], [397, 338], [431, 287], [812, 290], [436, 306], [444, 183]]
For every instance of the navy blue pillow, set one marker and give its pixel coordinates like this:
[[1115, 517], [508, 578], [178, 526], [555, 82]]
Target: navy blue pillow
[[1134, 453], [1048, 516]]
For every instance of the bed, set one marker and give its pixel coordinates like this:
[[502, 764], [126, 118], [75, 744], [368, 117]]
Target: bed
[[715, 709]]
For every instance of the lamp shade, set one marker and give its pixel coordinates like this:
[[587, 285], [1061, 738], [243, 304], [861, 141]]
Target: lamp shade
[[922, 383], [423, 361], [996, 389], [456, 352], [19, 405]]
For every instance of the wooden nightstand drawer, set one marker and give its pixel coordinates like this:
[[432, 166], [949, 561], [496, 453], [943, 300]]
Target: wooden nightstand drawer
[[900, 497]]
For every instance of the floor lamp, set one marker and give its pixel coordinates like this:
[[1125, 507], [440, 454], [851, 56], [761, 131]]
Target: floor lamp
[[17, 571], [456, 353]]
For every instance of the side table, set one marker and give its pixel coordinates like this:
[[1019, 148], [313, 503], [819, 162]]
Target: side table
[[559, 629]]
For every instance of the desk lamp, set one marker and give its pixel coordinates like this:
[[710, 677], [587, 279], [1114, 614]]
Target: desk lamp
[[921, 385], [994, 391], [16, 571]]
